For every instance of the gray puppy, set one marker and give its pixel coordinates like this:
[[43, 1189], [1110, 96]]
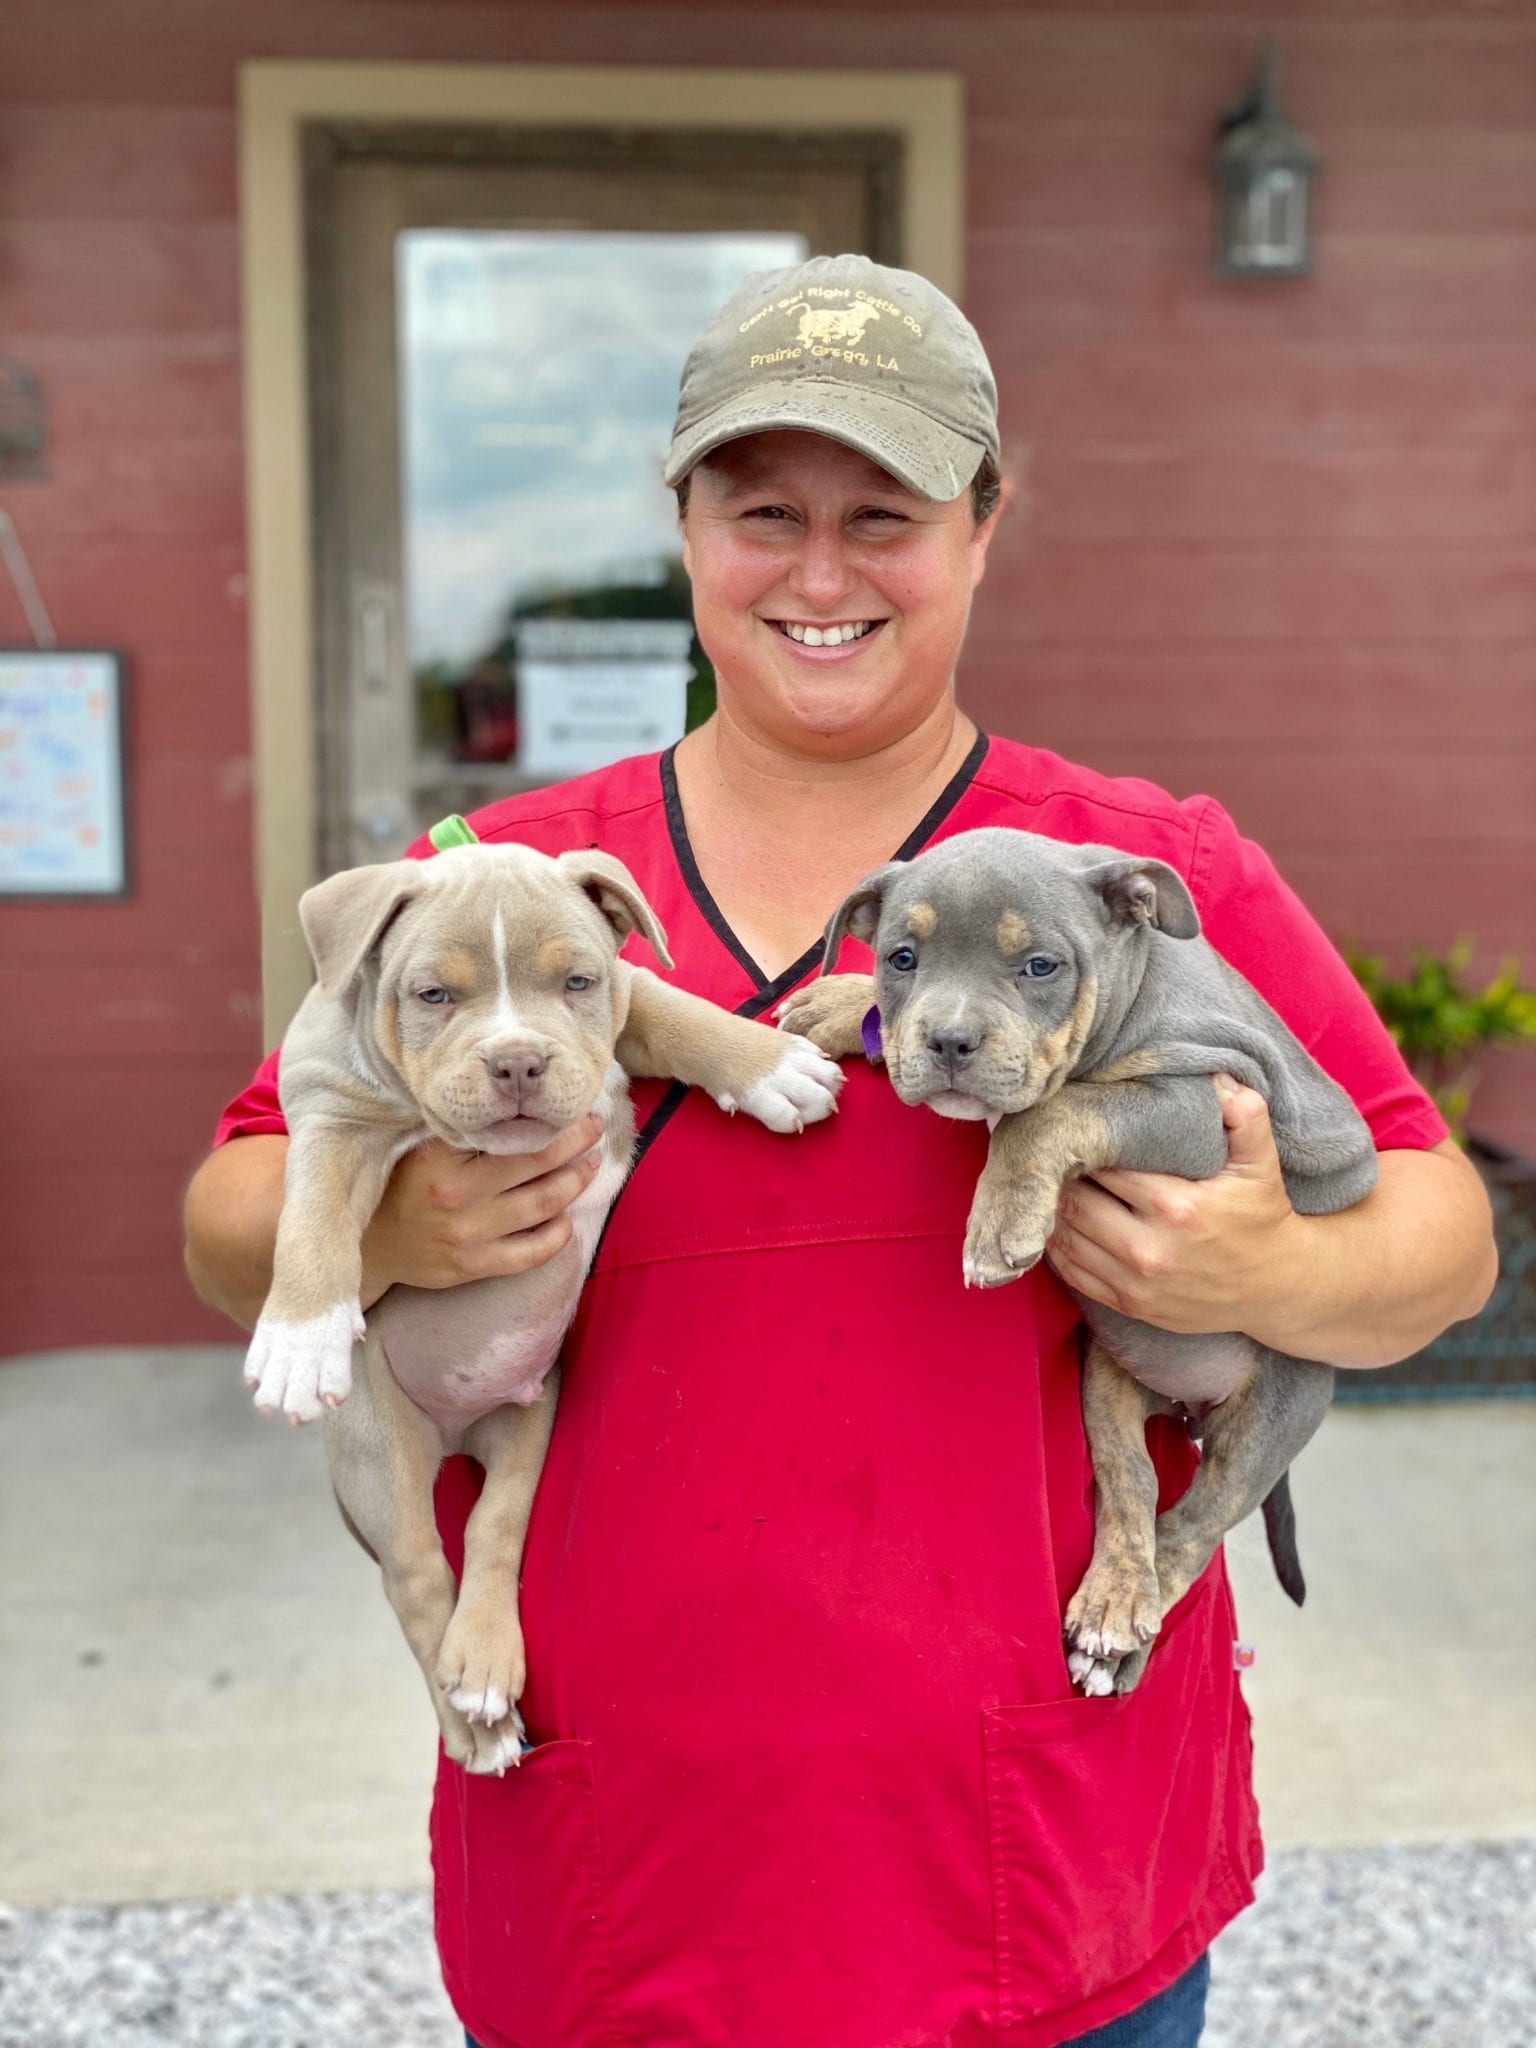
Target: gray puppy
[[1064, 994]]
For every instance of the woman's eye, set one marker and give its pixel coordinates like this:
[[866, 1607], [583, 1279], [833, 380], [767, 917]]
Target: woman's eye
[[903, 959], [575, 983], [1038, 966], [434, 995]]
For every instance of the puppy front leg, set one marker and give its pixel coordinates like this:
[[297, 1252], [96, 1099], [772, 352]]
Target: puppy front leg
[[780, 1079], [300, 1356], [1083, 1126], [830, 1012]]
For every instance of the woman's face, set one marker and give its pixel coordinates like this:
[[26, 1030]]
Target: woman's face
[[790, 534]]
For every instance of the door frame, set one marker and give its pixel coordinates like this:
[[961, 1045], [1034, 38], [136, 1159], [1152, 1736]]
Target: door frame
[[278, 100]]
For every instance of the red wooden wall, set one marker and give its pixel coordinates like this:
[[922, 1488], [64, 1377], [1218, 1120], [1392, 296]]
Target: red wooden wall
[[1280, 545]]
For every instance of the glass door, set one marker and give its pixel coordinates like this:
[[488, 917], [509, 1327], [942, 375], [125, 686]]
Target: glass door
[[502, 596]]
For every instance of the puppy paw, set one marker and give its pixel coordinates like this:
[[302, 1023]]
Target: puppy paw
[[1005, 1236], [829, 1012], [1093, 1676], [299, 1369], [1114, 1613], [801, 1089], [481, 1672], [1129, 1670], [484, 1752]]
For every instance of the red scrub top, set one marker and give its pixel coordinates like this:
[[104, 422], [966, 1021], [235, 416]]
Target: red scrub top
[[809, 1771]]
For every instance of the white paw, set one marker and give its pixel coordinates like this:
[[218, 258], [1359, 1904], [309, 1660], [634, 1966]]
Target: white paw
[[301, 1369], [498, 1749], [1093, 1674], [801, 1090], [484, 1704]]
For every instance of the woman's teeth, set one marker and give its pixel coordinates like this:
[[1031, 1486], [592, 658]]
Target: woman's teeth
[[826, 636]]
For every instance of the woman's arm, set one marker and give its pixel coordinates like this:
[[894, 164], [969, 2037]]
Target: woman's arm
[[1364, 1287], [445, 1217]]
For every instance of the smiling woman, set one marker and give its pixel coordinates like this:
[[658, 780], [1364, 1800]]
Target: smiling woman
[[808, 1760]]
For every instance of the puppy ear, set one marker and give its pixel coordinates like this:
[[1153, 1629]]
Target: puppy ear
[[859, 913], [617, 895], [345, 917], [1146, 892]]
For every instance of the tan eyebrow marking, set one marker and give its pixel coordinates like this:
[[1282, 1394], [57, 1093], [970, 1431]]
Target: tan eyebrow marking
[[459, 966], [555, 957], [1013, 933], [922, 920]]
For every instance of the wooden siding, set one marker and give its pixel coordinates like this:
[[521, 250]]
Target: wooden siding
[[1278, 543]]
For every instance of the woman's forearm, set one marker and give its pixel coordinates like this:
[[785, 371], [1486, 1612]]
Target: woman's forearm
[[231, 1214], [1375, 1283]]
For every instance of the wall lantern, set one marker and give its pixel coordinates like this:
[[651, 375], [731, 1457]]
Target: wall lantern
[[23, 427], [1264, 170]]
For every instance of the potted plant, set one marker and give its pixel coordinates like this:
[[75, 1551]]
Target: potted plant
[[1444, 1026]]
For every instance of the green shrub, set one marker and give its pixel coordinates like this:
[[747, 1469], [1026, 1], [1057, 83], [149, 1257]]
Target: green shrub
[[1443, 1025]]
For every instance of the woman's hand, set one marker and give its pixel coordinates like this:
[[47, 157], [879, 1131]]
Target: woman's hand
[[1188, 1255], [447, 1216], [1361, 1287]]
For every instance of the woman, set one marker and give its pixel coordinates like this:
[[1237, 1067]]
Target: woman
[[808, 1766]]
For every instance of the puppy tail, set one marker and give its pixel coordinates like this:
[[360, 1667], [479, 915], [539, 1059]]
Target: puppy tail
[[1280, 1528]]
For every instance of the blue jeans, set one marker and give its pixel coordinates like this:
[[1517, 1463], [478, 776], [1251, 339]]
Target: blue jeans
[[1174, 2019]]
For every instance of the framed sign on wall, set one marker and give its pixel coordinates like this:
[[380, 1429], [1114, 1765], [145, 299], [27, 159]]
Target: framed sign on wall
[[63, 808]]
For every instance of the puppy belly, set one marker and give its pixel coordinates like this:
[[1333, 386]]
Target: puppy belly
[[460, 1352], [1196, 1372]]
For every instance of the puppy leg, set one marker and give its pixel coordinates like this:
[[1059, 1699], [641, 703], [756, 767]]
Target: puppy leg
[[830, 1012], [300, 1356], [481, 1666], [1115, 1611], [780, 1079], [1249, 1442], [1083, 1126], [384, 1454]]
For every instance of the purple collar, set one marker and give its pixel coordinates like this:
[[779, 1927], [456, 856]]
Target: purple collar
[[869, 1031]]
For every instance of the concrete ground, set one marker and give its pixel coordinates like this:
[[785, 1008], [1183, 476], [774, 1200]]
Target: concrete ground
[[202, 1693]]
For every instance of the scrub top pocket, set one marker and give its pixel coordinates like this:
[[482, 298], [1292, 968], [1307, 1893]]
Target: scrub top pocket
[[1098, 1811], [530, 1848]]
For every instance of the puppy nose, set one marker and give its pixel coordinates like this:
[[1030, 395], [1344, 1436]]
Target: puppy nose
[[515, 1066], [955, 1045]]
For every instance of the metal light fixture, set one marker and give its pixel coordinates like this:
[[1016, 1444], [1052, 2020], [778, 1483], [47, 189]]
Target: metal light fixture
[[1264, 170], [23, 426]]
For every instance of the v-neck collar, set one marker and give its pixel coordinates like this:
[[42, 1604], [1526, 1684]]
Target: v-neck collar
[[768, 991]]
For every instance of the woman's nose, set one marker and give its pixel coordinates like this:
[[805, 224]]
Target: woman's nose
[[822, 573]]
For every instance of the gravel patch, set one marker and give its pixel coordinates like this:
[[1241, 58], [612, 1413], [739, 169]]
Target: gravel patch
[[318, 1970], [1382, 1948], [1347, 1948]]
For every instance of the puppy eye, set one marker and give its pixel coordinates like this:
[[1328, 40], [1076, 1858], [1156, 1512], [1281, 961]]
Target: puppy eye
[[575, 983], [433, 995], [1038, 966], [903, 959]]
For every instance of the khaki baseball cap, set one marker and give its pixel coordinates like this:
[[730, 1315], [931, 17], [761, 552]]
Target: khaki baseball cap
[[876, 358]]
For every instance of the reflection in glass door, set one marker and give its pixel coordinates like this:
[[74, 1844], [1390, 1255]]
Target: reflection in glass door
[[546, 610]]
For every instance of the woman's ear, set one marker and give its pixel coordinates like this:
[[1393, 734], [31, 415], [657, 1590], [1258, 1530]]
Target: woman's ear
[[1008, 493]]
